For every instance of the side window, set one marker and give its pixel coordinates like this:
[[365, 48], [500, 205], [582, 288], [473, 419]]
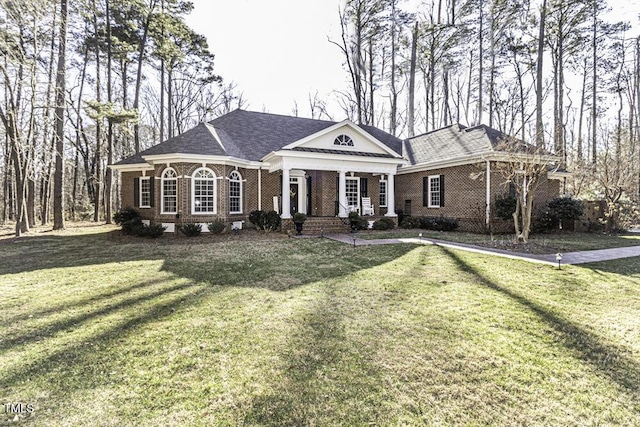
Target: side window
[[145, 192], [235, 192], [203, 191], [169, 188]]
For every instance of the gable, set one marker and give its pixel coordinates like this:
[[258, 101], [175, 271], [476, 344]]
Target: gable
[[344, 138]]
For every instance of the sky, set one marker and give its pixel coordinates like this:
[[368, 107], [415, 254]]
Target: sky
[[278, 51]]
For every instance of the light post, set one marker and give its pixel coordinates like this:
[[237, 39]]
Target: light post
[[559, 259]]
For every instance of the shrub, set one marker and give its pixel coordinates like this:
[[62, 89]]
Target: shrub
[[384, 224], [505, 207], [129, 220], [217, 226], [299, 217], [267, 221], [357, 222], [190, 229], [154, 231], [560, 210], [410, 222], [272, 221], [440, 223], [257, 218]]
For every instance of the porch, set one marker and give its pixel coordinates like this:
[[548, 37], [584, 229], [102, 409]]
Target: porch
[[323, 225]]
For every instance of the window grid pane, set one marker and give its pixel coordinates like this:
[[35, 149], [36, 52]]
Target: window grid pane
[[352, 192], [383, 193], [204, 195], [145, 193], [434, 191], [234, 196], [170, 196]]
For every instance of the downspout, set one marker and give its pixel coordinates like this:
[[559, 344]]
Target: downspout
[[260, 189], [488, 196]]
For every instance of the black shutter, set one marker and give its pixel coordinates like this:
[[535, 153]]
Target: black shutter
[[281, 186], [337, 195], [152, 188], [136, 192], [442, 191], [309, 197], [364, 187], [425, 191]]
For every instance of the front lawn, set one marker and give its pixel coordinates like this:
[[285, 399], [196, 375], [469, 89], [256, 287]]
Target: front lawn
[[100, 330], [538, 243]]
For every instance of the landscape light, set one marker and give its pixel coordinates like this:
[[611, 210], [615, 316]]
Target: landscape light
[[559, 259]]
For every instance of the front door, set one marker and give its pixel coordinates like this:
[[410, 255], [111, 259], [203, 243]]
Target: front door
[[353, 194], [293, 197]]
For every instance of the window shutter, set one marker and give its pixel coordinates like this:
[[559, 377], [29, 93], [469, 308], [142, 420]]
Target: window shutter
[[136, 192], [442, 191], [309, 196], [364, 187], [425, 191], [337, 195], [152, 187]]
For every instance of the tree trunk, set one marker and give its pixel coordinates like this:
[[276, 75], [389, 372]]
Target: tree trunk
[[58, 194], [412, 82], [108, 182], [141, 49], [539, 77], [98, 157], [594, 111]]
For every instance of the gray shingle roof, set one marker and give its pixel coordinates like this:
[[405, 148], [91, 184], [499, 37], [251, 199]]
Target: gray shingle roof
[[249, 135], [451, 142]]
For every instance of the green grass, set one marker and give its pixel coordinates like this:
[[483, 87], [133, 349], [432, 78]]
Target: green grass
[[538, 243], [101, 330]]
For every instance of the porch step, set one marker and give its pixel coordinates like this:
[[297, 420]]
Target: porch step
[[315, 225]]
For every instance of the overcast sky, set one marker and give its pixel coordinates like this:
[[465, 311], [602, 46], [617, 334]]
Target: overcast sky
[[277, 51]]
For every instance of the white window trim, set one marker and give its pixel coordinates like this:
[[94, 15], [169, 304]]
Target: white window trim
[[343, 140], [239, 181], [193, 192], [430, 203], [386, 193], [140, 192], [162, 181]]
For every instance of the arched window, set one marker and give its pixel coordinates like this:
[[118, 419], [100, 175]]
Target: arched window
[[235, 192], [343, 140], [203, 191], [169, 191]]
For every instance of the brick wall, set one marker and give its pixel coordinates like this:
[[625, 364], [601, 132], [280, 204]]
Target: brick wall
[[465, 194]]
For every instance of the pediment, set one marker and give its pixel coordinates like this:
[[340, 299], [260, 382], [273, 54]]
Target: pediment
[[344, 136]]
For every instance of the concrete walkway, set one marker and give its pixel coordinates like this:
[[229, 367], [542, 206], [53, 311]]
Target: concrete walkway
[[568, 258]]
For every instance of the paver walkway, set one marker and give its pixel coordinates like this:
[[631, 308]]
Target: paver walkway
[[581, 257]]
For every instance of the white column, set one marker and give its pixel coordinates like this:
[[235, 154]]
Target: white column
[[286, 189], [391, 196], [342, 194]]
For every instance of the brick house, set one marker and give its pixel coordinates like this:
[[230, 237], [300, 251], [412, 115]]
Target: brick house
[[245, 161], [454, 172]]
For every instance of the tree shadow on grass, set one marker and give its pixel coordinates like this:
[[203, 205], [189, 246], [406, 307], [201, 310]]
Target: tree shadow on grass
[[609, 359], [75, 321], [323, 370], [71, 365], [73, 359]]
